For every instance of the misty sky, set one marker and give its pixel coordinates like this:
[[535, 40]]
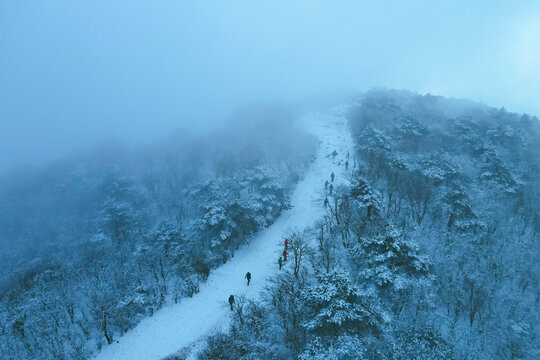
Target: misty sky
[[75, 73]]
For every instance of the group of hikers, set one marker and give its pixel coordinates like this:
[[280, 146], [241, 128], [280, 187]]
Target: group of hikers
[[282, 258], [231, 298], [284, 253], [327, 186]]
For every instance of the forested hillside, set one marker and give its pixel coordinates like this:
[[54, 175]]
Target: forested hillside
[[92, 244], [430, 252]]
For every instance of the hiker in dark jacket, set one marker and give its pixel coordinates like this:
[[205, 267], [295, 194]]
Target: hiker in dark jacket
[[331, 188], [326, 202], [326, 185], [347, 164], [248, 277], [332, 176], [231, 301]]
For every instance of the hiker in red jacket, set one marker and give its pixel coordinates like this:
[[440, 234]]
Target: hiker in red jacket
[[285, 253], [286, 242]]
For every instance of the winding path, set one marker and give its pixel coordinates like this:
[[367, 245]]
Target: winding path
[[179, 325]]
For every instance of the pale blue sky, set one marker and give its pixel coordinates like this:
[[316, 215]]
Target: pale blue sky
[[73, 73]]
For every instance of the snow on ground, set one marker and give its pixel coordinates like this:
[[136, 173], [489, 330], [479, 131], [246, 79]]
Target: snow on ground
[[179, 325]]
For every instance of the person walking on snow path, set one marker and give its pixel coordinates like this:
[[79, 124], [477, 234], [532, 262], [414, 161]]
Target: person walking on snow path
[[248, 277], [231, 301], [285, 253], [347, 164], [326, 185], [331, 188], [332, 175], [280, 262], [286, 243], [326, 202], [347, 154]]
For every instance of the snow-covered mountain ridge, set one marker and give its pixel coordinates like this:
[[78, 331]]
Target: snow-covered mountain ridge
[[424, 246], [430, 252]]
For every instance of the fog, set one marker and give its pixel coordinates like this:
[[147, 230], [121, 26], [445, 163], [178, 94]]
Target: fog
[[75, 74]]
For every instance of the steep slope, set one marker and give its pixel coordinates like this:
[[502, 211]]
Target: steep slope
[[179, 325]]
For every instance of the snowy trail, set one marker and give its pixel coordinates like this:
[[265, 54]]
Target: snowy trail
[[179, 325]]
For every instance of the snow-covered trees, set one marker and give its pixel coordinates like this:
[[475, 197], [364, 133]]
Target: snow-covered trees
[[410, 132], [100, 244], [353, 209], [338, 306], [120, 210], [233, 209], [420, 344], [284, 300], [266, 193], [224, 218], [299, 249], [365, 197], [342, 347], [440, 168], [93, 244], [394, 266], [164, 253], [456, 272], [391, 261], [460, 172], [459, 212]]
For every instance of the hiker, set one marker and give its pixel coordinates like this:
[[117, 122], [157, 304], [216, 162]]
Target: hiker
[[347, 164], [231, 301], [331, 188], [326, 185], [286, 243], [334, 153], [248, 277], [285, 253], [332, 175], [280, 262], [326, 202], [347, 154]]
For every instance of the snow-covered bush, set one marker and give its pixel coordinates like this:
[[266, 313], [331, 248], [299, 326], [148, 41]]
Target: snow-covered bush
[[338, 306]]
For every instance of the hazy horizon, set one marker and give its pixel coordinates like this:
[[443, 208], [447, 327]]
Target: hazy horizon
[[73, 75]]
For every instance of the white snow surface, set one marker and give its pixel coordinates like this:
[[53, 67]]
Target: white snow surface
[[180, 325]]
